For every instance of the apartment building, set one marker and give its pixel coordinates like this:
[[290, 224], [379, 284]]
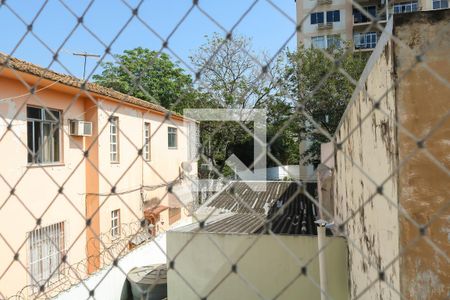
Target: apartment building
[[326, 23], [80, 167]]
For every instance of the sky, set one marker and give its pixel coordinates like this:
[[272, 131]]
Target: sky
[[54, 27]]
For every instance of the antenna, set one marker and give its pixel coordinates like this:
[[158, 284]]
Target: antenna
[[85, 55]]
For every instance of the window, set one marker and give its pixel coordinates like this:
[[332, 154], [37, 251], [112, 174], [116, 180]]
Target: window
[[333, 16], [323, 42], [114, 139], [146, 149], [46, 249], [439, 4], [318, 42], [115, 223], [405, 7], [172, 137], [365, 40], [317, 18], [359, 17], [43, 135]]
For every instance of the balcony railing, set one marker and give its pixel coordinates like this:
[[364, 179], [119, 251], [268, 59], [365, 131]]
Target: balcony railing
[[323, 26]]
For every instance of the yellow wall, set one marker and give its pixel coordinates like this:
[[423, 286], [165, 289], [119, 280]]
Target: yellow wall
[[268, 267]]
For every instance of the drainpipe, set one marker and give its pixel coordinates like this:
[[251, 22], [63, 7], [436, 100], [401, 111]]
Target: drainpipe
[[322, 265]]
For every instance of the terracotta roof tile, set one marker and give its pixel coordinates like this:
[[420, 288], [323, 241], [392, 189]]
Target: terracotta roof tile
[[27, 67]]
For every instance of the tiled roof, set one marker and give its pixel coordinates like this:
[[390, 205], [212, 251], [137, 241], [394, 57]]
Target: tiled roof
[[29, 68]]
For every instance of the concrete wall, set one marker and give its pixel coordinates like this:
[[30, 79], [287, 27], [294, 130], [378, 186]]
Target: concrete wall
[[269, 267], [423, 103], [109, 281], [383, 226], [367, 160]]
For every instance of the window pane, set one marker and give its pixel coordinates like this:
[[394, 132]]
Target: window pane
[[46, 142], [30, 140], [37, 140], [320, 17], [329, 16], [33, 112], [49, 116], [55, 143]]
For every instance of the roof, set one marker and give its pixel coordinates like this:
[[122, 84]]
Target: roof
[[29, 68], [283, 207]]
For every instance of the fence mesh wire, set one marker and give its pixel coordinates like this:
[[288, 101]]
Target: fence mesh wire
[[47, 281]]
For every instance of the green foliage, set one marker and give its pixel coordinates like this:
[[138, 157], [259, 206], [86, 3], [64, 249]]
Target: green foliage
[[316, 82], [148, 75], [233, 79]]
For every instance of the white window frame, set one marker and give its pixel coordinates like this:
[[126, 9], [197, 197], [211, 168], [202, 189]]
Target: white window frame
[[46, 246], [114, 139], [405, 7], [147, 141], [325, 41], [318, 42], [169, 133], [54, 156], [442, 4], [115, 223], [367, 42]]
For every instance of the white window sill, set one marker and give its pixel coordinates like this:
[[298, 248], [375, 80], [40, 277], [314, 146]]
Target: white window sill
[[46, 165]]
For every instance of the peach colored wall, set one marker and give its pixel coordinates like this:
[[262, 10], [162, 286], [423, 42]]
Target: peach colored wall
[[36, 189]]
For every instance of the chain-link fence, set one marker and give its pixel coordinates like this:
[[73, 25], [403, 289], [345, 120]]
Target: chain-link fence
[[96, 183]]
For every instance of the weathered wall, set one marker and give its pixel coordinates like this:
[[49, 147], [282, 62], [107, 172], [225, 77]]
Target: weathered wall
[[269, 267], [384, 227], [423, 100], [368, 159]]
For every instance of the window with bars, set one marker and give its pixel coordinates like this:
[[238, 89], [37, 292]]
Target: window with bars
[[172, 137], [114, 139], [440, 4], [147, 147], [43, 135], [46, 249], [405, 7], [115, 223]]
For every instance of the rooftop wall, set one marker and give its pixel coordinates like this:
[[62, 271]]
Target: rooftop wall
[[270, 268], [366, 160]]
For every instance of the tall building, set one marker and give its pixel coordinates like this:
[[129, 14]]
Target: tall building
[[328, 22]]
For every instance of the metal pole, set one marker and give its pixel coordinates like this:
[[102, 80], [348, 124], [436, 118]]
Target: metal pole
[[322, 265], [84, 67], [85, 55]]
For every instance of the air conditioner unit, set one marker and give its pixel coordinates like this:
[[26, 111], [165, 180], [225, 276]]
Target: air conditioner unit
[[328, 25], [324, 2], [80, 128]]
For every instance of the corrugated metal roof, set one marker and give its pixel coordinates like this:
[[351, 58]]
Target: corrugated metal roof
[[237, 223], [283, 207]]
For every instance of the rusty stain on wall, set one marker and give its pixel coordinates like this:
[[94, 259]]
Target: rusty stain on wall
[[383, 188], [422, 100]]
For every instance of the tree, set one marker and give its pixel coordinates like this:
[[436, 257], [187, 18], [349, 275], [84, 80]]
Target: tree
[[313, 80], [234, 76], [148, 75]]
